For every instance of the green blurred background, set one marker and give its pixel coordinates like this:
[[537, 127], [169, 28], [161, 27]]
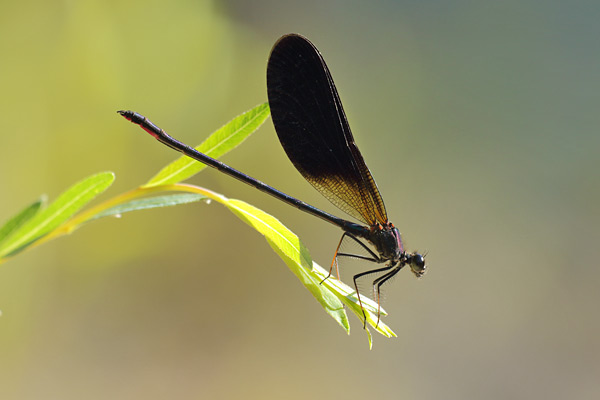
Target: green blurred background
[[479, 121]]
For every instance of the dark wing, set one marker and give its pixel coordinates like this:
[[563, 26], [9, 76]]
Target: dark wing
[[313, 130]]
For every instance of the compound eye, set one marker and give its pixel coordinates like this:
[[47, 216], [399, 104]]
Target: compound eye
[[417, 264]]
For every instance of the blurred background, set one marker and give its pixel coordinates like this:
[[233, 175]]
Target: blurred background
[[479, 121]]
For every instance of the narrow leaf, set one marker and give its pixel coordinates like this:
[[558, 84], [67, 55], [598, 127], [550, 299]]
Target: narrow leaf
[[329, 292], [67, 204], [289, 247], [151, 202], [220, 142], [18, 220]]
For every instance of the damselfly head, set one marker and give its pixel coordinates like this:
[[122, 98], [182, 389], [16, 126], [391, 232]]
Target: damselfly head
[[417, 264]]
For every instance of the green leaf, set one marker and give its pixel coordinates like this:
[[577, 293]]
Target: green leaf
[[18, 220], [331, 293], [289, 247], [220, 142], [151, 202], [67, 204]]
